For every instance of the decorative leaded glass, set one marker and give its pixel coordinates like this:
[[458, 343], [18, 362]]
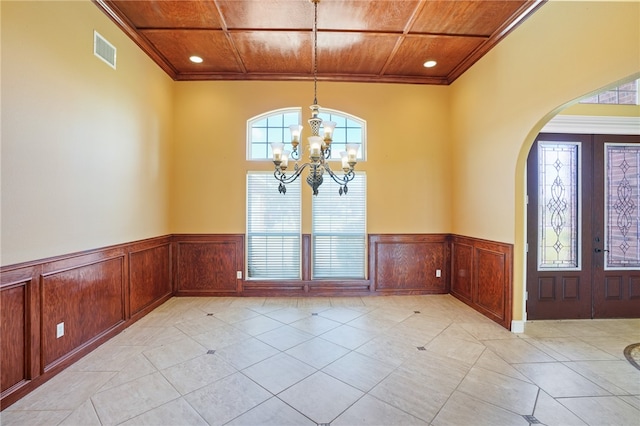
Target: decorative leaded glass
[[558, 205], [621, 201]]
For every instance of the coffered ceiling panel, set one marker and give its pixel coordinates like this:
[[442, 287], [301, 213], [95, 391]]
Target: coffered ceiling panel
[[358, 40]]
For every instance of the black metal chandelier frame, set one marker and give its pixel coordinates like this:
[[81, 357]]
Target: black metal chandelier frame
[[319, 147]]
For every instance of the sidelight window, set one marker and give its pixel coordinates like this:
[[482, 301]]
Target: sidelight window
[[622, 206], [558, 205]]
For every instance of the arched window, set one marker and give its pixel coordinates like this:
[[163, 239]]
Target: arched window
[[273, 126], [349, 129], [264, 129], [274, 220]]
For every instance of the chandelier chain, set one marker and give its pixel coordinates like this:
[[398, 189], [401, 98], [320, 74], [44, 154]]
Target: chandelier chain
[[319, 147], [315, 51]]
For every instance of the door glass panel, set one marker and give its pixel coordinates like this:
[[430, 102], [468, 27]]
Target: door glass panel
[[558, 205], [621, 204]]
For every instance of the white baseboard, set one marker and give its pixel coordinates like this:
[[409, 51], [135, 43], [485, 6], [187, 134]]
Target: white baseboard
[[517, 326]]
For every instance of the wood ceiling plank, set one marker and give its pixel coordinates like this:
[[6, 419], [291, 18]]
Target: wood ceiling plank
[[354, 53], [368, 16], [358, 40], [464, 17], [267, 14], [275, 51], [212, 46], [448, 51], [170, 14]]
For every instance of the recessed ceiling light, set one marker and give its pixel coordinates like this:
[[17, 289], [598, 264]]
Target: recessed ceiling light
[[196, 59], [430, 64]]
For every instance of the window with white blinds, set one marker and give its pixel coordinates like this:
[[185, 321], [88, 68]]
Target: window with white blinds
[[339, 231], [273, 228]]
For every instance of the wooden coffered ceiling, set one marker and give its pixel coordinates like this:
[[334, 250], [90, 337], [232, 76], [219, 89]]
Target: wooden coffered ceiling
[[384, 41]]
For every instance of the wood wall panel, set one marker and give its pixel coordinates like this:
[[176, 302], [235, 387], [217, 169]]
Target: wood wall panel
[[490, 289], [89, 292], [14, 337], [408, 263], [490, 279], [149, 276], [207, 264], [89, 299], [462, 270]]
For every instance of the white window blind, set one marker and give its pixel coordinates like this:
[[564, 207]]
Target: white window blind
[[273, 228], [339, 230]]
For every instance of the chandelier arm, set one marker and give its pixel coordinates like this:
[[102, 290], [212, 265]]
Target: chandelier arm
[[327, 153], [282, 177], [341, 180]]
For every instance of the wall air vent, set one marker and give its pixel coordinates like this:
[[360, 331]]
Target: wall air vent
[[104, 50]]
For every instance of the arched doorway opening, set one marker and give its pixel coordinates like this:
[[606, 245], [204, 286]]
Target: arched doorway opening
[[600, 276]]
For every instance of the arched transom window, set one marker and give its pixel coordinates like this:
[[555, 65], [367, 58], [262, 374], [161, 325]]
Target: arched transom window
[[273, 126]]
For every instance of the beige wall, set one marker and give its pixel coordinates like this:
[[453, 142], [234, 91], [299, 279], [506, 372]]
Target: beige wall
[[565, 50], [84, 147], [92, 156], [407, 162]]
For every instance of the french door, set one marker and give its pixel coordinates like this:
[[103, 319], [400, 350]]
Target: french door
[[583, 233]]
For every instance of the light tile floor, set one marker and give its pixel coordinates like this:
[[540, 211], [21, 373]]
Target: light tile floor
[[406, 360]]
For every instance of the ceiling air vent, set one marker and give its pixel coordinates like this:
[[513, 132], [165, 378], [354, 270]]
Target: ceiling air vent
[[104, 50]]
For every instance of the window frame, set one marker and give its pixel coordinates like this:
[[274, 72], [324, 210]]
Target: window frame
[[362, 152], [266, 116], [318, 209], [286, 219]]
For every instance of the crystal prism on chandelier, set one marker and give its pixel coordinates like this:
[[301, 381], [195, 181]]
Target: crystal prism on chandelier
[[319, 146]]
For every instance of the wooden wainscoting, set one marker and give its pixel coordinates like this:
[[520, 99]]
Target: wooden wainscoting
[[95, 294], [20, 339], [482, 276], [149, 275], [206, 265], [408, 264], [86, 295]]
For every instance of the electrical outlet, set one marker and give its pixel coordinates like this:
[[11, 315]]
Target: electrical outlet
[[60, 330], [438, 273], [239, 275]]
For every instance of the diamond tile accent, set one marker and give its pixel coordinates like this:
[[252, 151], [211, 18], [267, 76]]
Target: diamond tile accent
[[364, 361]]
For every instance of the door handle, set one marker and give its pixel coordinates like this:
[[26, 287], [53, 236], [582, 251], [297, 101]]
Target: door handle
[[599, 250]]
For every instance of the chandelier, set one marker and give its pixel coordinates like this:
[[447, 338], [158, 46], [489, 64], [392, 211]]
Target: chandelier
[[319, 146]]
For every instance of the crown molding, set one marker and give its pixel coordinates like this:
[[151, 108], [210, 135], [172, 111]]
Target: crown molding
[[584, 124]]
